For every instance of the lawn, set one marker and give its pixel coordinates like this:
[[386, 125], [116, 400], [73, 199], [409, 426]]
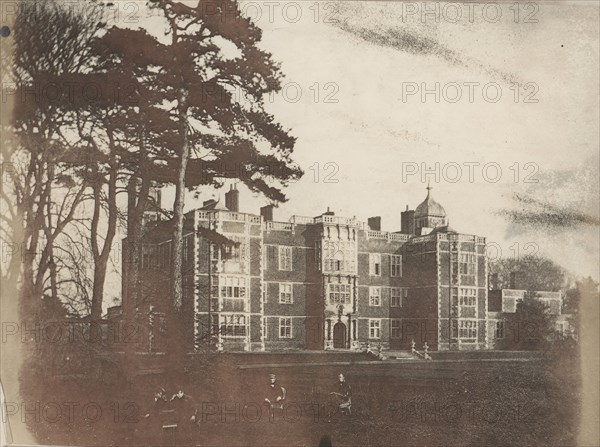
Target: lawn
[[516, 402]]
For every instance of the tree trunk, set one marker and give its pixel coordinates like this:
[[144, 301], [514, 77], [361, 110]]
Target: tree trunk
[[178, 205], [177, 345], [101, 256], [138, 198]]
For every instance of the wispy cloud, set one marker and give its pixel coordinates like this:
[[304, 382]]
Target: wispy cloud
[[540, 214], [410, 40]]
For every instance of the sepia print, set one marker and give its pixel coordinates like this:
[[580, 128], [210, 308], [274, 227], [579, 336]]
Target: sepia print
[[299, 223]]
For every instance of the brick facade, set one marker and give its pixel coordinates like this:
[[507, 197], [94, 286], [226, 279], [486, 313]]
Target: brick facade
[[327, 282]]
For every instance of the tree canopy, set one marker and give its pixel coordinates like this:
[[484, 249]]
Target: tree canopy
[[104, 109], [531, 272]]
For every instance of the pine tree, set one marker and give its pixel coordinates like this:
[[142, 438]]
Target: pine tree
[[204, 84]]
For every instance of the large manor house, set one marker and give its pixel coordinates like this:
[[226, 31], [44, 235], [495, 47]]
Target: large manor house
[[251, 283]]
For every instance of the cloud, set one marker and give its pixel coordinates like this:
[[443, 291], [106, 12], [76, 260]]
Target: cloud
[[540, 214], [413, 40], [403, 40], [561, 200]]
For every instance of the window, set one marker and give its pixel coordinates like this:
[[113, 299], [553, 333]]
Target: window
[[264, 257], [499, 331], [264, 293], [285, 258], [234, 255], [467, 264], [467, 300], [467, 330], [397, 295], [233, 287], [334, 264], [339, 293], [374, 264], [339, 256], [233, 293], [233, 326], [374, 296], [286, 293], [395, 329], [395, 265], [374, 328], [285, 327], [332, 257], [468, 297]]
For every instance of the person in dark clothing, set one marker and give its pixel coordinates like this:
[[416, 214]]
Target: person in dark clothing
[[152, 419], [184, 406], [178, 418], [275, 396], [343, 395], [160, 399]]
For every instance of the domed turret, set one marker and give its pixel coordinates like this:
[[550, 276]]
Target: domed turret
[[429, 215], [430, 207]]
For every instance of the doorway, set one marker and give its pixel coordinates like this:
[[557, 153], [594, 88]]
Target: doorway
[[339, 335]]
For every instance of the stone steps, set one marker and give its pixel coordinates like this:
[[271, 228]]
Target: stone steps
[[398, 354]]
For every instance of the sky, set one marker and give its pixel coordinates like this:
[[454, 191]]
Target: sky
[[517, 113], [366, 55]]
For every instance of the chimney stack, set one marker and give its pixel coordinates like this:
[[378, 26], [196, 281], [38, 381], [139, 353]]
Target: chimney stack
[[232, 199], [374, 223], [407, 221], [266, 213], [513, 280]]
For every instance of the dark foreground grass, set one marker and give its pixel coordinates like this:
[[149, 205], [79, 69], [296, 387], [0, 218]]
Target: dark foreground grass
[[516, 403]]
